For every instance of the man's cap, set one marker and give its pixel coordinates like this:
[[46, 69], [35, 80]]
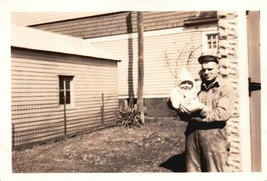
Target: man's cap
[[208, 58]]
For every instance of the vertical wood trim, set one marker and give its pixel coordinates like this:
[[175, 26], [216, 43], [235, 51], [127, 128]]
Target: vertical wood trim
[[253, 27], [263, 37], [243, 92]]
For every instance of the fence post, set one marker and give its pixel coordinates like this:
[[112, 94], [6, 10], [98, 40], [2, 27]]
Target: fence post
[[102, 110], [13, 135], [65, 117]]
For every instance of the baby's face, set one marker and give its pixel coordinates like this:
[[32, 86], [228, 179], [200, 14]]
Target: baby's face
[[186, 85]]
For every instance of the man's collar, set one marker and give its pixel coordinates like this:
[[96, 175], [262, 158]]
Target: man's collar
[[215, 83]]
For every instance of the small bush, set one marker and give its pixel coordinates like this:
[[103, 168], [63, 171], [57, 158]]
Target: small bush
[[129, 117]]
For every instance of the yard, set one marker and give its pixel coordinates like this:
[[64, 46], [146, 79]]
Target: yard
[[157, 146]]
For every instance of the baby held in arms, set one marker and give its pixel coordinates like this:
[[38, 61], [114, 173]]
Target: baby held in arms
[[184, 97]]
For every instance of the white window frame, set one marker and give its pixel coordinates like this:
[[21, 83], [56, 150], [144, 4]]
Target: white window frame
[[72, 93], [205, 48]]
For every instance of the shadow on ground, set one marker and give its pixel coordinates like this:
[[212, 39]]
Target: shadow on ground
[[175, 163]]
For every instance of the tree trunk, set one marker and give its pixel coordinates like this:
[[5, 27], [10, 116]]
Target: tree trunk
[[140, 102]]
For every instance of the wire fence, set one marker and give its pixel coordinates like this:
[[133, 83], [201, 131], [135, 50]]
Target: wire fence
[[34, 124], [41, 123]]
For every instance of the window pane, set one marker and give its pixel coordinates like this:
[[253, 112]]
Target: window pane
[[61, 97], [67, 83], [61, 83], [209, 45], [67, 97], [214, 44]]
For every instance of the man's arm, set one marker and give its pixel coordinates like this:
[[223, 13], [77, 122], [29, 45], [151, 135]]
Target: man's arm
[[224, 106]]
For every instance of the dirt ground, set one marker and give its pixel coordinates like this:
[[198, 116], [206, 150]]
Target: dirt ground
[[157, 146]]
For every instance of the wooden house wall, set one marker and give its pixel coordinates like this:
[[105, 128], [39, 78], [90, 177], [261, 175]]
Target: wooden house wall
[[104, 32], [165, 52], [36, 114], [117, 23]]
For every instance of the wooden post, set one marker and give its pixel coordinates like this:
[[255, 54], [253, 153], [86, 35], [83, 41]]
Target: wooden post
[[65, 117], [102, 110], [140, 102]]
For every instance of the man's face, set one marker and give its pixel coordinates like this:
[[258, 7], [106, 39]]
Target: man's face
[[210, 71]]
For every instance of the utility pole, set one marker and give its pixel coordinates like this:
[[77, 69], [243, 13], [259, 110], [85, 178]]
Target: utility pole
[[140, 101]]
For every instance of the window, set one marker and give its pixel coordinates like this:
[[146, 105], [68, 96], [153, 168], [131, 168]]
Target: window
[[210, 42], [65, 90]]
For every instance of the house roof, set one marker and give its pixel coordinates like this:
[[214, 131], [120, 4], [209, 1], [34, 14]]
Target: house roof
[[202, 17], [30, 38]]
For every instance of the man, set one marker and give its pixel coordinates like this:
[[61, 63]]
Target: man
[[206, 134]]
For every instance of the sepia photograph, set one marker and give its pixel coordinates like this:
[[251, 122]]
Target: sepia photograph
[[135, 92]]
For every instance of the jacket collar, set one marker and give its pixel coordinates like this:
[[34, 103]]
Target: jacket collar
[[216, 83]]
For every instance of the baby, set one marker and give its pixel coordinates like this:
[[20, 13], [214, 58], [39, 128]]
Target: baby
[[185, 93]]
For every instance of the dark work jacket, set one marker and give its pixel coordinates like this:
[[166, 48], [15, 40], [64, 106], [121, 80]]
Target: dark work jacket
[[220, 97]]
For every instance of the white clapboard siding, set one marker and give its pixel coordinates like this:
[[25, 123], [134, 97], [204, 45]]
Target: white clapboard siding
[[36, 115], [159, 73]]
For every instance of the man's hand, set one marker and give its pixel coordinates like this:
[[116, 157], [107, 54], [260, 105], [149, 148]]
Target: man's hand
[[204, 111], [197, 119], [183, 109], [195, 106]]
